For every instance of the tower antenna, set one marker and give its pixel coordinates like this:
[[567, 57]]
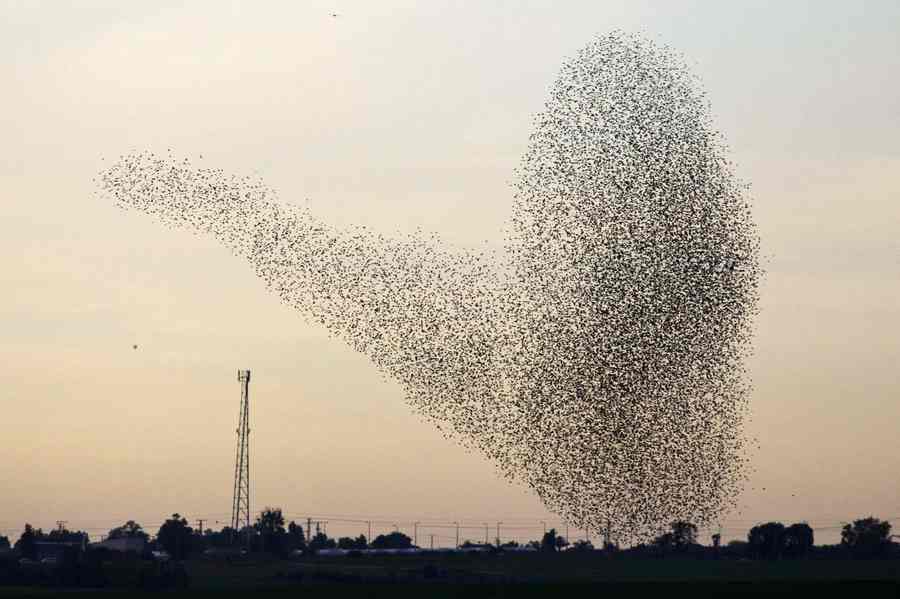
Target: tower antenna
[[240, 507]]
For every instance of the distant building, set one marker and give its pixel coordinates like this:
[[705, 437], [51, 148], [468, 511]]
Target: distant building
[[123, 544], [55, 550], [476, 548]]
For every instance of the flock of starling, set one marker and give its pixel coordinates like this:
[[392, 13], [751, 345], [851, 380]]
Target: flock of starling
[[600, 357]]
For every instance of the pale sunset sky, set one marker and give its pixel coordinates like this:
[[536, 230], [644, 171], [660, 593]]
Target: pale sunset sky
[[400, 115]]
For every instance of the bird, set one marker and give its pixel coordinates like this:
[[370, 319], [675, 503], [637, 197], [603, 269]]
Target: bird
[[134, 346], [598, 357]]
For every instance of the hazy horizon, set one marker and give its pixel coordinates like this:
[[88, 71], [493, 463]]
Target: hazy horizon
[[400, 116]]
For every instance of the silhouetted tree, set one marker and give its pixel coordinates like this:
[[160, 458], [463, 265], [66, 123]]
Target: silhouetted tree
[[270, 520], [175, 537], [549, 541], [272, 536], [64, 535], [394, 540], [766, 540], [868, 537], [27, 543], [561, 542], [321, 541], [296, 537], [129, 530], [582, 545], [682, 535], [346, 543], [4, 542], [798, 539], [351, 543], [222, 538]]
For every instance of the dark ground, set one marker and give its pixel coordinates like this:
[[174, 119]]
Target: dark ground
[[520, 576], [533, 568]]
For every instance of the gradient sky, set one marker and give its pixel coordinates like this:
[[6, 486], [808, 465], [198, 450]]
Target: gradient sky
[[400, 115]]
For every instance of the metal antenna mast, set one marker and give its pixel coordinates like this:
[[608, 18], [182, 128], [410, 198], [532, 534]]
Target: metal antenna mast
[[240, 508]]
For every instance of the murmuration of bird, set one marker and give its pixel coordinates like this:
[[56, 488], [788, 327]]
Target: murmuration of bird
[[600, 357]]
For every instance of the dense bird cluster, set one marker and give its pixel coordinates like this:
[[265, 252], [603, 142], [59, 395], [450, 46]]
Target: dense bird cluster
[[600, 358]]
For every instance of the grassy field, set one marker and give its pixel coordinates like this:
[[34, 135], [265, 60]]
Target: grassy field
[[520, 575], [532, 569]]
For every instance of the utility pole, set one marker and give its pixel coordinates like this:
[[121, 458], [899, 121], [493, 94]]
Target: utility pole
[[498, 533], [61, 525], [240, 507], [457, 534], [486, 534], [200, 524], [432, 541], [545, 526], [369, 522], [308, 531], [416, 534]]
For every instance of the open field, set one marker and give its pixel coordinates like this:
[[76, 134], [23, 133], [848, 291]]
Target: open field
[[523, 575], [635, 589], [505, 569]]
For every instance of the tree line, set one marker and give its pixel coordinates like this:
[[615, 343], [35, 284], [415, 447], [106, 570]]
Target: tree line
[[865, 538]]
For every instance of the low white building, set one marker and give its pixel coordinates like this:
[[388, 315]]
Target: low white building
[[122, 544]]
